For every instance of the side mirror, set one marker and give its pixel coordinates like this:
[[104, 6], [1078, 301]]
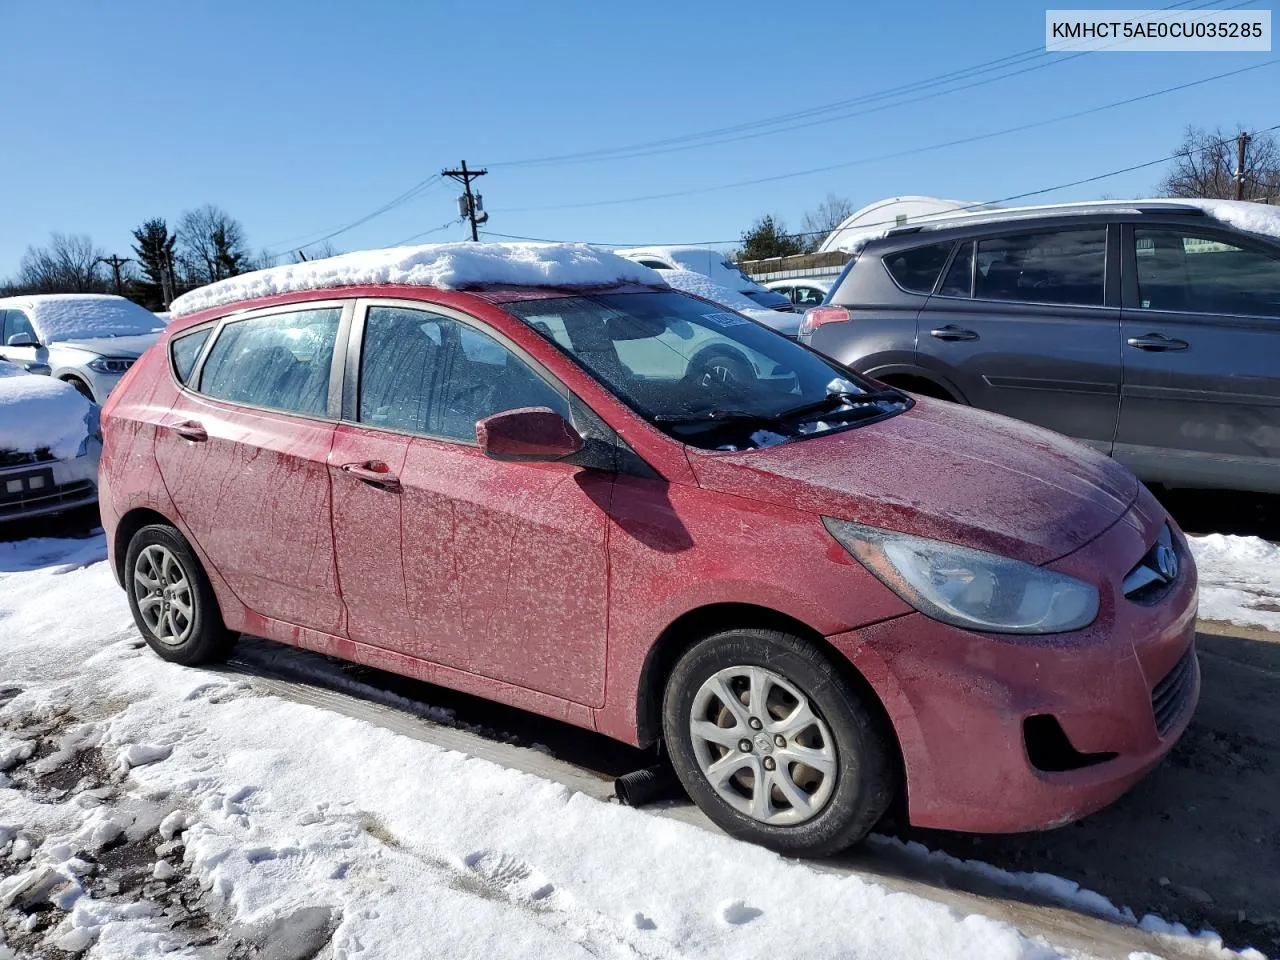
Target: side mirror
[[528, 434], [22, 340], [40, 369]]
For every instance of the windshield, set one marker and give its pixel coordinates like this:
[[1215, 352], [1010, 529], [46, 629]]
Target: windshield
[[703, 374]]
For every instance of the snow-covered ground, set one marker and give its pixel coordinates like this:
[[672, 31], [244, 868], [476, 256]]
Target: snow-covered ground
[[148, 808], [1239, 580]]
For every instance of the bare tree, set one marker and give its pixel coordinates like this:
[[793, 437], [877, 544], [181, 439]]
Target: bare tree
[[1205, 166], [211, 244], [317, 251], [824, 218], [69, 264]]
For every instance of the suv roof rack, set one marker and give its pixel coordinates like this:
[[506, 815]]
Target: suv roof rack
[[997, 215]]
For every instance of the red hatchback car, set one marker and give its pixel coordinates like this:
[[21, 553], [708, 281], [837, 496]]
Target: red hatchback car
[[537, 474]]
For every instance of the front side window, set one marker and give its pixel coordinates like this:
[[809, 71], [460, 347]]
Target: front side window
[[427, 374], [1198, 274], [1062, 266], [917, 270], [706, 376], [280, 361], [17, 322], [185, 351]]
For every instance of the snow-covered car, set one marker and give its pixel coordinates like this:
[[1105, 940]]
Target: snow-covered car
[[49, 445], [700, 285], [88, 340], [710, 263], [804, 292]]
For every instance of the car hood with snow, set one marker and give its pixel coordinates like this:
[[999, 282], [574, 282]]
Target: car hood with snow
[[62, 317], [941, 471], [127, 347], [703, 286], [40, 413]]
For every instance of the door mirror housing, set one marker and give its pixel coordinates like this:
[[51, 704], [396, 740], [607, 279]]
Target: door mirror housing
[[22, 340], [527, 435], [40, 369]]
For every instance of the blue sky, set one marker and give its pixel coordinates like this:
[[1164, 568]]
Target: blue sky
[[301, 117]]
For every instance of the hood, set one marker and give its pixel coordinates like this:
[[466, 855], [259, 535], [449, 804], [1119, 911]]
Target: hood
[[132, 346], [942, 471], [787, 324]]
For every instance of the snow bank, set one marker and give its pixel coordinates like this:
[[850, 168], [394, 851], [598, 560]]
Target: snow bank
[[1239, 580], [449, 266], [39, 413], [83, 316]]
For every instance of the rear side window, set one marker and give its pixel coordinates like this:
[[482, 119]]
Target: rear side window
[[959, 279], [280, 361], [427, 374], [1063, 266], [1200, 274], [917, 270], [185, 350]]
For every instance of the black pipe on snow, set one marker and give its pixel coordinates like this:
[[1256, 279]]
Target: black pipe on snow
[[649, 785]]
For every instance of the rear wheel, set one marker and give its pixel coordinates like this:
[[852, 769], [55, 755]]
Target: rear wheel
[[775, 745], [171, 599]]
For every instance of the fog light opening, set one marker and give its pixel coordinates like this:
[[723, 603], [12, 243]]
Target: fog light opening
[[1050, 751]]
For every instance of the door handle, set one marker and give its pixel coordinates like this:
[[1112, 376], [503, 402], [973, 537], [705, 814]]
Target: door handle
[[375, 473], [952, 332], [1157, 341], [191, 430]]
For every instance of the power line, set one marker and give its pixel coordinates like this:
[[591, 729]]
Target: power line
[[812, 116], [424, 233], [888, 223], [415, 191], [898, 153]]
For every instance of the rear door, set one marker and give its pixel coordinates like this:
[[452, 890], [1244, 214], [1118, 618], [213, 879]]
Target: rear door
[[1201, 333], [504, 565], [244, 455], [1027, 324]]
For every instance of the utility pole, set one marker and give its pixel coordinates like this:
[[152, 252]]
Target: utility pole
[[1242, 141], [470, 205], [115, 263]]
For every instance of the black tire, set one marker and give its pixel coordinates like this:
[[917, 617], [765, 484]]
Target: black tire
[[82, 388], [865, 777], [722, 366], [207, 640]]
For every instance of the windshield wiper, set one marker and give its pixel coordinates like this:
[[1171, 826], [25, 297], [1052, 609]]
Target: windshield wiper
[[720, 416], [835, 399]]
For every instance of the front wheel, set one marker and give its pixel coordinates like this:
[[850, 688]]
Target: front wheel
[[775, 745], [171, 599]]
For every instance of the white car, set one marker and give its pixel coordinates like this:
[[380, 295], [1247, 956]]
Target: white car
[[700, 285], [49, 446], [87, 340], [709, 263], [804, 292]]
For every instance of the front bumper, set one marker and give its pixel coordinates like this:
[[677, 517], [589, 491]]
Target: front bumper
[[958, 700], [75, 484]]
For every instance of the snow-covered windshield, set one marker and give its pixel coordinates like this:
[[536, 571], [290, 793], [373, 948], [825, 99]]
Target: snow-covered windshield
[[707, 376]]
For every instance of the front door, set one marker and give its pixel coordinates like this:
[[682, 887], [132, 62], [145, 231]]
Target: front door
[[12, 323], [1201, 330], [1021, 324], [504, 564], [244, 457]]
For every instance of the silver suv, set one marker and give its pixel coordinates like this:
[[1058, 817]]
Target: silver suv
[[85, 339], [1148, 329]]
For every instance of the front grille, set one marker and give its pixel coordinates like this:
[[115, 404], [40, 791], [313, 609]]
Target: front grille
[[70, 493], [1172, 695], [12, 458], [1156, 572]]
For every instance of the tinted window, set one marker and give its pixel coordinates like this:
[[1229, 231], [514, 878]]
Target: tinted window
[[423, 373], [17, 322], [917, 270], [1180, 271], [959, 279], [808, 296], [281, 361], [654, 264], [1066, 266], [186, 350]]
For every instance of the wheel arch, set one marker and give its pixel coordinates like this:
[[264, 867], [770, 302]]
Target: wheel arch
[[916, 380], [128, 525], [701, 622]]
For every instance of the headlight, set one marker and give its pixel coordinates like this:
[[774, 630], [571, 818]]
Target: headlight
[[109, 365], [969, 588]]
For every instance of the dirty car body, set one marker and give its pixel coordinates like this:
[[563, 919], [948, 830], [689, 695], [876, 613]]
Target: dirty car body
[[369, 523]]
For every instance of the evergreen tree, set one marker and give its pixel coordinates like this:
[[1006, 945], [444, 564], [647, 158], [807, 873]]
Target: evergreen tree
[[154, 253], [768, 238]]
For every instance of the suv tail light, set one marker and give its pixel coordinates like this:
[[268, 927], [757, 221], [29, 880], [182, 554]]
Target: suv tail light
[[820, 316]]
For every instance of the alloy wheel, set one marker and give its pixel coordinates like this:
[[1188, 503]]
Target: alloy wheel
[[163, 591], [762, 747]]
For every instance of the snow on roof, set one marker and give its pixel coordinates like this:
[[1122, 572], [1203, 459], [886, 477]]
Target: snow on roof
[[82, 316], [38, 413], [1243, 215], [447, 266]]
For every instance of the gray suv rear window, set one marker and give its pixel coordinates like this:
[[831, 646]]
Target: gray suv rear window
[[1062, 266], [917, 270]]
